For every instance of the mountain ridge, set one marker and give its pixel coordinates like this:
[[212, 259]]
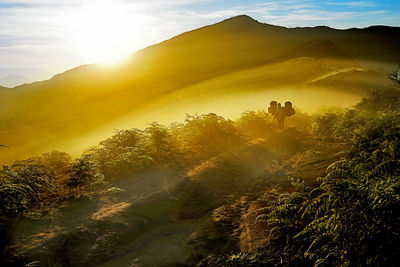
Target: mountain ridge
[[80, 100], [13, 80], [240, 19]]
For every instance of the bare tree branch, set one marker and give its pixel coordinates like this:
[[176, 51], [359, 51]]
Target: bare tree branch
[[395, 77]]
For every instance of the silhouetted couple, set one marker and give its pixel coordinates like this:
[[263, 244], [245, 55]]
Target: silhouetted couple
[[280, 113]]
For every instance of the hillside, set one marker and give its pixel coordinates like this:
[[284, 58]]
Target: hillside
[[78, 108], [166, 217], [209, 191]]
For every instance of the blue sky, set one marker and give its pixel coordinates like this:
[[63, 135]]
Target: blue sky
[[39, 38]]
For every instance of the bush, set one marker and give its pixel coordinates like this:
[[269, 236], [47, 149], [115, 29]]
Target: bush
[[255, 123]]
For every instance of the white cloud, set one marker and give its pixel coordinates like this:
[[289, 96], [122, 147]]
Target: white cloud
[[352, 4], [43, 34]]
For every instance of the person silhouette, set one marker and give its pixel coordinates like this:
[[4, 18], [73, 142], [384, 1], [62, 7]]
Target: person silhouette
[[280, 113]]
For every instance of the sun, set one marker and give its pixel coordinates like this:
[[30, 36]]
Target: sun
[[105, 32]]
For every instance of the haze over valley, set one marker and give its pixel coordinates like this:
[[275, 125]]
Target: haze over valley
[[236, 143], [226, 68]]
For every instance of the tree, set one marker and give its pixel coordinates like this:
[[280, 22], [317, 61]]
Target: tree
[[22, 185], [15, 198], [204, 136], [81, 173], [159, 142], [255, 123], [395, 77], [56, 161]]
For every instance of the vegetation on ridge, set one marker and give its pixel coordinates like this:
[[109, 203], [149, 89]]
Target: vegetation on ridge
[[220, 62], [347, 217]]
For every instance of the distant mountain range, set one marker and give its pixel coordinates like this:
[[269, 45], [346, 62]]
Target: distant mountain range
[[13, 80], [238, 62]]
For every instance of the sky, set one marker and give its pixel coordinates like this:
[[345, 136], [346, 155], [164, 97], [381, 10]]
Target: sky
[[39, 38]]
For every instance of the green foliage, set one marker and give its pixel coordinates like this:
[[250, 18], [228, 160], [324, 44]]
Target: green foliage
[[395, 77], [381, 101], [204, 136], [15, 198], [255, 123], [325, 124], [56, 161], [379, 108], [83, 172], [22, 185], [159, 137], [200, 137], [352, 217], [131, 151], [115, 153]]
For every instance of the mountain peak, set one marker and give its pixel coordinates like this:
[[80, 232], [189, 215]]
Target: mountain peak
[[240, 22], [245, 23], [241, 19]]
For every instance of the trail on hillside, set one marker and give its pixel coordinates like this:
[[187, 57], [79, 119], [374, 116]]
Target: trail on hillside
[[169, 217]]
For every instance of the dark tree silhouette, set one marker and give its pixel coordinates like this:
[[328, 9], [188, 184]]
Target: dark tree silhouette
[[395, 77], [82, 172]]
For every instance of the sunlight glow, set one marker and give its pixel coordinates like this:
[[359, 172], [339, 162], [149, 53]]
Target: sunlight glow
[[106, 32]]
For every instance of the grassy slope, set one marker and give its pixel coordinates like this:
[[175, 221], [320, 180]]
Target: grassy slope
[[166, 218], [54, 114]]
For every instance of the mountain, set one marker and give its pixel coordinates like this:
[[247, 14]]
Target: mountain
[[238, 62], [13, 80], [318, 49]]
